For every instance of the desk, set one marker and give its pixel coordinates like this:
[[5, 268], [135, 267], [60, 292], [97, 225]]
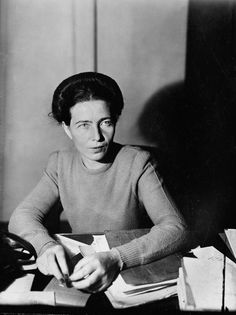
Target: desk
[[97, 304]]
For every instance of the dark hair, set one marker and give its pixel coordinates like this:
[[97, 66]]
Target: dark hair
[[83, 87]]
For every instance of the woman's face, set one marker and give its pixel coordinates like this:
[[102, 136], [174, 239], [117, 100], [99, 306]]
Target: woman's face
[[92, 130]]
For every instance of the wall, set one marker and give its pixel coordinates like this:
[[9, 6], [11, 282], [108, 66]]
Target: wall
[[141, 44], [210, 86]]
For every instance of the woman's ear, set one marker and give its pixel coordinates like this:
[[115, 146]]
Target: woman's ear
[[67, 130]]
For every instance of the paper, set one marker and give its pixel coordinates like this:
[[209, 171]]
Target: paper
[[18, 293], [22, 284], [207, 282], [120, 293], [100, 244], [230, 286], [73, 247], [185, 298], [205, 278], [27, 298], [67, 296], [207, 253], [231, 235]]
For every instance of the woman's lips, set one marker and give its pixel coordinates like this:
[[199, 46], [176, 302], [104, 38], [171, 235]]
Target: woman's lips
[[99, 148]]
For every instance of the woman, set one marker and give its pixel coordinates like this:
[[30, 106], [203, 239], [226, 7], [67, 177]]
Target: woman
[[102, 185]]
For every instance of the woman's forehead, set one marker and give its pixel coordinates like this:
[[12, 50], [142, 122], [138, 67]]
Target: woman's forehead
[[90, 108]]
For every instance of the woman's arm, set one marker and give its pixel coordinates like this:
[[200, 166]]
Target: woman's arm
[[28, 218], [28, 222], [169, 233]]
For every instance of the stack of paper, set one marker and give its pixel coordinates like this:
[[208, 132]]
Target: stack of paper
[[207, 282]]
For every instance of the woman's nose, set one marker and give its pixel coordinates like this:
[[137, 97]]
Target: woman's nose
[[97, 134]]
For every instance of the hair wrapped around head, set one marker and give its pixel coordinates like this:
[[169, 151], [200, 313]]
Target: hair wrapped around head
[[84, 87]]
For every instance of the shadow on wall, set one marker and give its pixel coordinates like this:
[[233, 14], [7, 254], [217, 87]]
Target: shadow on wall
[[196, 168], [210, 93], [192, 123], [164, 122]]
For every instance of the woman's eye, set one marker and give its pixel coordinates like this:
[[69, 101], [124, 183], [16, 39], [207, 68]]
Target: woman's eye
[[107, 123], [84, 125]]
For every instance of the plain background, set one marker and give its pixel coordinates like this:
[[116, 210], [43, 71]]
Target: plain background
[[141, 44]]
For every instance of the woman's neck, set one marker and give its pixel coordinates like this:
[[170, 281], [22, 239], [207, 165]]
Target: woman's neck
[[108, 159]]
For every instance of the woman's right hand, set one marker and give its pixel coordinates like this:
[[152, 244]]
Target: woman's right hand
[[53, 262]]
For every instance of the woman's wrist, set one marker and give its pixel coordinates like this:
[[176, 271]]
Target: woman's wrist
[[46, 246], [117, 257]]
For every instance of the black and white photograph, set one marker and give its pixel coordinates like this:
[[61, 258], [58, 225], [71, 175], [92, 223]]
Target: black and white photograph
[[117, 156]]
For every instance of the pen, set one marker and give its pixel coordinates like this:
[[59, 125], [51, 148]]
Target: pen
[[85, 250], [65, 281]]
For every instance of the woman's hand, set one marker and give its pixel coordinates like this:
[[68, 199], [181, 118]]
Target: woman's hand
[[53, 262], [96, 272]]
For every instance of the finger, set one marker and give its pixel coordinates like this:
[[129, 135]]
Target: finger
[[42, 267], [88, 283], [61, 260], [54, 267], [83, 272], [99, 285], [81, 263]]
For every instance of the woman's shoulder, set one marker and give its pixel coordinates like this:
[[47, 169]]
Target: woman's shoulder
[[133, 150], [135, 154], [62, 156], [63, 153]]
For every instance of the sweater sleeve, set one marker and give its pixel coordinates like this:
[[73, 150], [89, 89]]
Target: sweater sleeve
[[27, 219], [169, 231]]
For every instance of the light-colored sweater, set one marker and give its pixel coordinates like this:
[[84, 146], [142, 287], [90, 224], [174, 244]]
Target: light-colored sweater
[[124, 194]]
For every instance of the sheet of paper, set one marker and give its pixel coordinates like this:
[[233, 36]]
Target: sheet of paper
[[212, 279], [181, 291], [71, 246], [27, 298], [207, 253], [67, 296], [230, 285], [120, 300], [185, 297], [22, 284], [205, 277], [231, 235], [18, 293]]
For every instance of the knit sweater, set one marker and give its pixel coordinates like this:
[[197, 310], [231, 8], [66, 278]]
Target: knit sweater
[[124, 194]]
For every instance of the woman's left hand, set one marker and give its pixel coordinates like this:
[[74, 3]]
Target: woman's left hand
[[96, 272]]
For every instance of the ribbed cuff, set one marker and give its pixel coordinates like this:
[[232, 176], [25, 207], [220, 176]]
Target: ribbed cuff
[[117, 254], [129, 254], [46, 246], [41, 241]]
